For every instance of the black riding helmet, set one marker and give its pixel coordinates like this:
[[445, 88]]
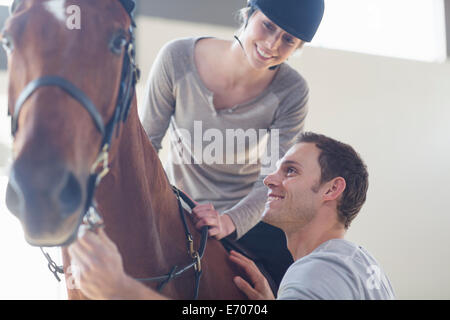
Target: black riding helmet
[[300, 18]]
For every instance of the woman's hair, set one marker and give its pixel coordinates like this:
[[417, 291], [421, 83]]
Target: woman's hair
[[243, 15]]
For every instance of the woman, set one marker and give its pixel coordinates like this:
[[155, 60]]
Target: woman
[[211, 94]]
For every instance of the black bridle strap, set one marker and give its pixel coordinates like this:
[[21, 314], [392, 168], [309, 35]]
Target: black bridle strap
[[66, 86], [173, 275], [195, 255]]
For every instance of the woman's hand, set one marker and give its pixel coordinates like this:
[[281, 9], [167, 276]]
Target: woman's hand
[[259, 288], [220, 225]]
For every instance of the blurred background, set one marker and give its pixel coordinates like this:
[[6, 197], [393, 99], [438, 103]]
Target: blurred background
[[379, 76]]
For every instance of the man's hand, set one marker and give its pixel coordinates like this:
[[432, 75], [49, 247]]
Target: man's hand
[[259, 289], [101, 273], [220, 225]]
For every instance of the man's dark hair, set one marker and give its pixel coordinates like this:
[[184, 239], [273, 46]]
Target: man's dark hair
[[338, 159]]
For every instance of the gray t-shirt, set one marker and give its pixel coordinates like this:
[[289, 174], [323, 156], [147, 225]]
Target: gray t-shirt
[[336, 270], [221, 156]]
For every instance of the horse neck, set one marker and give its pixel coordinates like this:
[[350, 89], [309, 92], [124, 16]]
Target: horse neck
[[137, 202]]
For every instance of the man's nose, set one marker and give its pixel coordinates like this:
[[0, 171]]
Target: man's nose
[[272, 180]]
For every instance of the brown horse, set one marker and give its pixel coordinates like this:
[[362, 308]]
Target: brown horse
[[57, 138]]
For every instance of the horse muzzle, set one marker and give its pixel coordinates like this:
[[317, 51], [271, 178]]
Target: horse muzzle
[[47, 199]]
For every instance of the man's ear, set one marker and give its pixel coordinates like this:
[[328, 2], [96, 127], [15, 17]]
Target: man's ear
[[335, 188]]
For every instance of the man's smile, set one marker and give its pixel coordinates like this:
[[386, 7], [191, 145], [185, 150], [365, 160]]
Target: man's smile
[[274, 197]]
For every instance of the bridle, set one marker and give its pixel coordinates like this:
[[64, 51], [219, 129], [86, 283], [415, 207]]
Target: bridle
[[129, 77], [195, 255], [94, 221]]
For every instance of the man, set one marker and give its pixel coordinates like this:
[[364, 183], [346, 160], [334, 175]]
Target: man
[[318, 189]]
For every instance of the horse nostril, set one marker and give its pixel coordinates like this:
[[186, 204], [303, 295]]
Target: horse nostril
[[14, 198], [70, 196]]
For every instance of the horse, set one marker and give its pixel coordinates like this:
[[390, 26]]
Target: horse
[[67, 88]]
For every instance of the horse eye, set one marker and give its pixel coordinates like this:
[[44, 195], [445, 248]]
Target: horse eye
[[7, 43], [117, 43]]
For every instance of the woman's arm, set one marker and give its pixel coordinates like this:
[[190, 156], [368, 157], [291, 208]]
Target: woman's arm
[[159, 97]]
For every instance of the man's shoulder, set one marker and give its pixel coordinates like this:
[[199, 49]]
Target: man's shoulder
[[337, 269], [336, 259], [330, 252], [321, 277]]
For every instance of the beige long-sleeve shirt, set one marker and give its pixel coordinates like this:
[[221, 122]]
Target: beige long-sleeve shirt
[[221, 156]]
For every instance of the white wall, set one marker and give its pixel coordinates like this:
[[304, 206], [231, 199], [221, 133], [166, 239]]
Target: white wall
[[396, 114]]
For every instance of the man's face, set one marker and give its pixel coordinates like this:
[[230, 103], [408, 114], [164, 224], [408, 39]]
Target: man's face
[[294, 189]]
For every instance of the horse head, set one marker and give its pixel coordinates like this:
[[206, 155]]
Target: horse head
[[68, 90]]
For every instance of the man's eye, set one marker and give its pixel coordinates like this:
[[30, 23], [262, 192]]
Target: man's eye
[[290, 170]]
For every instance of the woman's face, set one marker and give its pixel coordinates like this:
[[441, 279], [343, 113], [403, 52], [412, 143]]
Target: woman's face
[[266, 44]]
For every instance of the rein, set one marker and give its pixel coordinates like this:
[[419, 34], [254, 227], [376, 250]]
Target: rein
[[94, 220], [195, 255]]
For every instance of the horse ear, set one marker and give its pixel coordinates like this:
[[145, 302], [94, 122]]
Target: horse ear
[[129, 6], [13, 7]]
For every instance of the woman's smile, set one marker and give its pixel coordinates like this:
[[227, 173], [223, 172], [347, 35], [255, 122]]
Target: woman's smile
[[264, 55]]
